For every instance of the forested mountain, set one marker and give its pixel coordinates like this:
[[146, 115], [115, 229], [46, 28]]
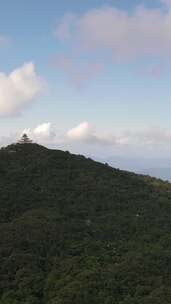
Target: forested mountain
[[74, 231]]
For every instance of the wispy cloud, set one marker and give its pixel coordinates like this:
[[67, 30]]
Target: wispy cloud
[[76, 73], [127, 36]]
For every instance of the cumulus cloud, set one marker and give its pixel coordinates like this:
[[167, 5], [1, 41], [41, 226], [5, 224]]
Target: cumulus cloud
[[82, 132], [86, 133], [144, 32], [18, 89], [44, 130]]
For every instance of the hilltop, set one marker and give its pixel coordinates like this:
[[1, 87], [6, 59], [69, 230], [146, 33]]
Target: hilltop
[[75, 231]]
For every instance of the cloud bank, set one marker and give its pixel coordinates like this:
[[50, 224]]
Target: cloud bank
[[86, 133], [153, 137], [84, 138], [18, 89]]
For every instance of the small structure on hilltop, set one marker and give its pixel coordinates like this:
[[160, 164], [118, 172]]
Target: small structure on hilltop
[[24, 139]]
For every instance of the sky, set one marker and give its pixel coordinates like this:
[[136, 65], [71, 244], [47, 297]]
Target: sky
[[89, 76]]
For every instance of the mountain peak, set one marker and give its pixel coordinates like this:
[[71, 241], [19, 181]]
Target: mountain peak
[[27, 147]]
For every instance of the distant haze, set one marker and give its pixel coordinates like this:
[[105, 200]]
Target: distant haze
[[156, 167]]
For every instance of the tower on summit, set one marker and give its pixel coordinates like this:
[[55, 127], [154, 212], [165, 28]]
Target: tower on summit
[[24, 139]]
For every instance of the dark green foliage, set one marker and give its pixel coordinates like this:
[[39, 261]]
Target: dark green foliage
[[74, 231]]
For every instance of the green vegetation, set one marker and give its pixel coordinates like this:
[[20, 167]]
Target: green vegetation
[[74, 231]]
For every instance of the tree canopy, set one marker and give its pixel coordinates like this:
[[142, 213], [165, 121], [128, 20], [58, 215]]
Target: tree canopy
[[24, 139], [75, 231]]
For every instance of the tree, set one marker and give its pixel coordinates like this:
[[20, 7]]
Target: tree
[[25, 139]]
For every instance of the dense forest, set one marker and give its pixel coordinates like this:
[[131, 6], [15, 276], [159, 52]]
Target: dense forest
[[75, 231]]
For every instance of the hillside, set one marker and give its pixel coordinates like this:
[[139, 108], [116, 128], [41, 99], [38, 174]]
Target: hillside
[[74, 231]]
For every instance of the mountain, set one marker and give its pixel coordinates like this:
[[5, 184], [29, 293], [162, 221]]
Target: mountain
[[75, 231]]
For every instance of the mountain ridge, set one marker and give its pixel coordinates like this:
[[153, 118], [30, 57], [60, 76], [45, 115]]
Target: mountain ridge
[[73, 230]]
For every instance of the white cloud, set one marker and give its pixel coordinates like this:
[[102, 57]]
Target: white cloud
[[126, 36], [150, 137], [86, 133], [27, 131], [87, 140], [83, 132], [43, 133], [44, 130], [18, 89]]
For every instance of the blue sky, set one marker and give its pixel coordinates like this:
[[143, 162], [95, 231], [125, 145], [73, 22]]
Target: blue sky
[[89, 76]]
